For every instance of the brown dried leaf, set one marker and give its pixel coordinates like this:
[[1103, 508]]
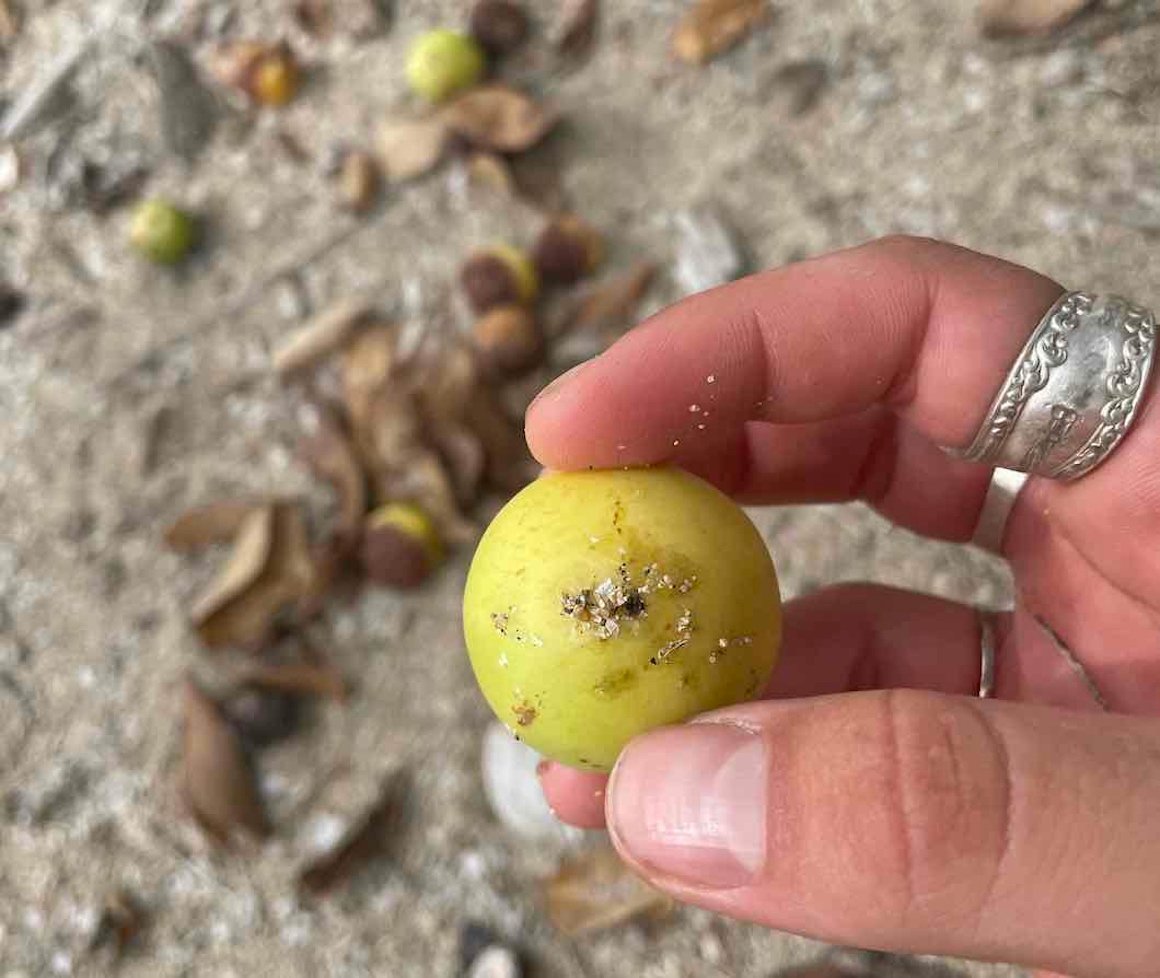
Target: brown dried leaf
[[577, 31], [324, 334], [9, 22], [499, 118], [510, 465], [596, 890], [331, 456], [610, 304], [463, 456], [492, 173], [712, 27], [303, 678], [388, 431], [409, 148], [366, 839], [218, 780], [203, 526], [1007, 17], [366, 367], [448, 384], [332, 558], [269, 569]]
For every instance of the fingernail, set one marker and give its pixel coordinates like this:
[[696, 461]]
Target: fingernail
[[565, 378], [689, 803]]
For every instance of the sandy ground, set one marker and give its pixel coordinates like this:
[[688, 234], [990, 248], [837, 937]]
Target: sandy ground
[[127, 394]]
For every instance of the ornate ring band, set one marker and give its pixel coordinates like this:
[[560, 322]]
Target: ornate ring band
[[1073, 393]]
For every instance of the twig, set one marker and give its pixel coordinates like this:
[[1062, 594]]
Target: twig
[[1072, 660]]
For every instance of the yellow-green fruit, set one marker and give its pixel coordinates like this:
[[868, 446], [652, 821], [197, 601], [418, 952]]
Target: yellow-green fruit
[[602, 604], [161, 232], [442, 62]]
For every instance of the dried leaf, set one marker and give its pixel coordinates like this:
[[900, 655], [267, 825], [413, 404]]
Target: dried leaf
[[367, 364], [331, 456], [611, 304], [509, 464], [596, 890], [269, 569], [387, 431], [218, 779], [122, 920], [463, 456], [203, 526], [9, 22], [409, 148], [1006, 17], [332, 558], [712, 27], [447, 384], [366, 839], [499, 118], [492, 173], [188, 108], [324, 334], [303, 678], [577, 31]]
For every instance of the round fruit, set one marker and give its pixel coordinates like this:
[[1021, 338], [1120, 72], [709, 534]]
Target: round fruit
[[442, 62], [602, 604], [161, 232]]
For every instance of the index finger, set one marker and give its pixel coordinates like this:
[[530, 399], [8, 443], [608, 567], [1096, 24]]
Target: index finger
[[923, 328]]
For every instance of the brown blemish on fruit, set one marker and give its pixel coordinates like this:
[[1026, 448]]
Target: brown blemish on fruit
[[525, 714]]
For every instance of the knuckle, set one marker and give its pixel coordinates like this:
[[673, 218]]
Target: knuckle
[[947, 801]]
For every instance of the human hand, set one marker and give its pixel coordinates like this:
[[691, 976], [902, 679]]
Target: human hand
[[872, 799]]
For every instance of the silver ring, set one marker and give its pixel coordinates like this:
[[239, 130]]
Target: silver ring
[[1074, 391], [1004, 489], [986, 656]]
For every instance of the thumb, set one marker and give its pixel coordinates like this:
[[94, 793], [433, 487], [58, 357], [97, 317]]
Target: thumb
[[911, 821]]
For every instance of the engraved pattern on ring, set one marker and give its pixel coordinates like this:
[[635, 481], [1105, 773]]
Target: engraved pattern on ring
[[1045, 350], [1124, 385]]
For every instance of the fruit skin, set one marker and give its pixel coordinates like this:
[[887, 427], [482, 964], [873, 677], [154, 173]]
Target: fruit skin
[[400, 546], [499, 275], [442, 62], [508, 339], [578, 691], [161, 232], [567, 250]]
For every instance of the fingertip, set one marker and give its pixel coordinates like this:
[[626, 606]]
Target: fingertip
[[576, 797]]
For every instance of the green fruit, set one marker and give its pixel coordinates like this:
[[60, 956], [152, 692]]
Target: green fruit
[[161, 232], [442, 62], [602, 604]]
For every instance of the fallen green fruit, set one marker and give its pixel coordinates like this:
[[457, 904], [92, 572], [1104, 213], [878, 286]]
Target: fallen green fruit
[[161, 232], [602, 604]]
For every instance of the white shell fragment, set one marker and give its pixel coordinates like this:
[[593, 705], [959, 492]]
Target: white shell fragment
[[708, 251], [513, 790], [495, 961]]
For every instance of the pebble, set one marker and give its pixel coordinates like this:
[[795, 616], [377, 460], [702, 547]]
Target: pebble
[[496, 961], [709, 252], [513, 789]]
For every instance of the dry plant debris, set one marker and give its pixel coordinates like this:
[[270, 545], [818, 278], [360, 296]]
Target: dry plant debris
[[712, 27], [499, 118], [369, 837], [596, 890], [410, 148], [321, 336], [576, 32], [213, 523], [609, 305], [1008, 17], [218, 781], [270, 568]]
